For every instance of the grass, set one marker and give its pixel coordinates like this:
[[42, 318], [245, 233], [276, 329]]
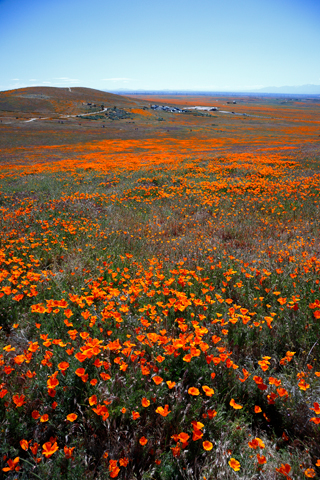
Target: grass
[[169, 300]]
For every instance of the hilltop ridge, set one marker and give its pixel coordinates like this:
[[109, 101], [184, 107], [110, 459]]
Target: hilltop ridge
[[53, 100]]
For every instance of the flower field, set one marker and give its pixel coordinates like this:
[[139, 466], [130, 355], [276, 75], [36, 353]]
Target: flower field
[[160, 301]]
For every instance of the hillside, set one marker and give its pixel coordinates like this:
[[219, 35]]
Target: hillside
[[52, 100]]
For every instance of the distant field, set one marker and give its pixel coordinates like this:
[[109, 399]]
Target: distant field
[[159, 287]]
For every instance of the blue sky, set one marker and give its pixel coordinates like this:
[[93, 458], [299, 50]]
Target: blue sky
[[155, 45]]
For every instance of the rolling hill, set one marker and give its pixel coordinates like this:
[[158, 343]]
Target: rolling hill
[[52, 100]]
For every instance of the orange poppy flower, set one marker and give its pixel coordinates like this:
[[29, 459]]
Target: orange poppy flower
[[315, 420], [157, 380], [176, 451], [49, 449], [303, 385], [24, 444], [35, 414], [68, 452], [235, 405], [255, 443], [145, 402], [212, 413], [13, 465], [261, 459], [44, 418], [63, 366], [135, 415], [143, 441], [123, 462], [183, 437], [163, 411], [257, 409], [170, 384], [197, 425], [234, 464], [316, 408], [34, 448], [284, 469], [93, 400], [196, 434], [207, 445], [310, 473], [193, 391], [208, 391], [72, 417], [19, 400], [113, 470]]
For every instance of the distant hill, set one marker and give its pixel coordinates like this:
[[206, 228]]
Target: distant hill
[[52, 100], [299, 90], [312, 90]]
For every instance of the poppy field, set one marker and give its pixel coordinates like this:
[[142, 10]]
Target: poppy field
[[160, 293]]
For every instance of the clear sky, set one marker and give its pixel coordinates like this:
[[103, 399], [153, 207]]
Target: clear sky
[[159, 44]]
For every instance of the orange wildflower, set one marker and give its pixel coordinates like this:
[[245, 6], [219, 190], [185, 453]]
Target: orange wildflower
[[13, 465], [176, 450], [261, 459], [315, 420], [183, 437], [303, 385], [93, 400], [72, 417], [212, 413], [193, 391], [170, 384], [316, 408], [143, 441], [49, 448], [145, 402], [310, 473], [68, 452], [63, 366], [34, 448], [18, 400], [157, 380], [123, 462], [208, 391], [207, 445], [235, 405], [113, 468], [24, 444], [255, 443], [163, 411], [284, 469], [234, 464]]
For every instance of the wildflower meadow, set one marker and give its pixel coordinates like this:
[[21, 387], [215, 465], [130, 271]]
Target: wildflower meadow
[[160, 298]]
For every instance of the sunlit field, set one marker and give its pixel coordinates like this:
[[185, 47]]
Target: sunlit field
[[159, 295]]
